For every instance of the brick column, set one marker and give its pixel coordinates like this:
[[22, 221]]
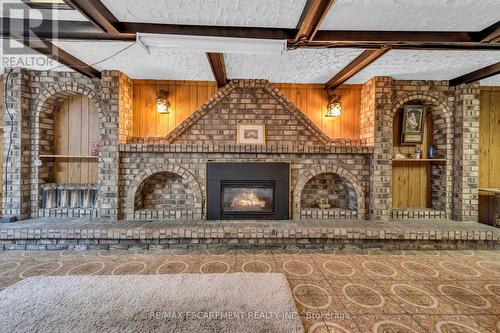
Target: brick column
[[376, 122], [17, 136], [465, 173], [117, 104]]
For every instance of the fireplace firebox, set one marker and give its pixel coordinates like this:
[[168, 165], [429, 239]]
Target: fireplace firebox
[[248, 191]]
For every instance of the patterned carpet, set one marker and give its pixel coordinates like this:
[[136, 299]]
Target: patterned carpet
[[372, 291]]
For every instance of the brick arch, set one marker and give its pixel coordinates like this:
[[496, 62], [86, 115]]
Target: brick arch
[[43, 107], [440, 110], [144, 174], [426, 96], [50, 98], [345, 174]]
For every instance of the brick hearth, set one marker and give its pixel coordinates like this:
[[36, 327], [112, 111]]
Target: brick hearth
[[50, 234]]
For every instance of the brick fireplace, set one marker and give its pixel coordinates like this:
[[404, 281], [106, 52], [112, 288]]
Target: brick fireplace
[[166, 177]]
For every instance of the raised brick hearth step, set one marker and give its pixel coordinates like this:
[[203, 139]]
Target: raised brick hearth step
[[80, 234]]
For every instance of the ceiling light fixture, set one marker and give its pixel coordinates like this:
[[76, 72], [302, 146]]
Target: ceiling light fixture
[[211, 44]]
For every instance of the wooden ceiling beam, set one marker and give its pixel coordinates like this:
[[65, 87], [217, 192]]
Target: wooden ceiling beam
[[53, 52], [312, 16], [352, 36], [97, 13], [491, 34], [216, 61], [477, 75], [361, 61]]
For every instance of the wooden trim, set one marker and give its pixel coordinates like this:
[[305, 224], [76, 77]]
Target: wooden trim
[[312, 16], [173, 82], [363, 60], [97, 13], [477, 75], [216, 61]]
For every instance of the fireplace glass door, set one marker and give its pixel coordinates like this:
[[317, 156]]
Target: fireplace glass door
[[240, 198]]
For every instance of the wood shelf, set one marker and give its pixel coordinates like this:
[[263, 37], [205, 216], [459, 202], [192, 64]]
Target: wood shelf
[[69, 156], [428, 160]]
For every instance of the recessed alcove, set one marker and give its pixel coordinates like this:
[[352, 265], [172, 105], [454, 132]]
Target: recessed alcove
[[68, 174], [419, 185], [164, 195]]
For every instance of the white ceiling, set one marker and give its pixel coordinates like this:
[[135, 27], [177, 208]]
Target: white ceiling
[[18, 9], [298, 66], [137, 63], [423, 15], [491, 81], [251, 13], [15, 54], [426, 65]]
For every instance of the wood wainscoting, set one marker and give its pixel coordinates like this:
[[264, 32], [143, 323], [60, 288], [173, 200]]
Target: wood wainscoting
[[489, 151], [312, 100], [186, 97], [76, 128], [411, 182]]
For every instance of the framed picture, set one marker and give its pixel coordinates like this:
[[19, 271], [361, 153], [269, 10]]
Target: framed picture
[[412, 131], [251, 134]]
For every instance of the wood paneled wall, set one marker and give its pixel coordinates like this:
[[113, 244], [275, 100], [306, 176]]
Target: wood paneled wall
[[489, 150], [2, 103], [411, 181], [187, 96], [312, 100], [76, 128]]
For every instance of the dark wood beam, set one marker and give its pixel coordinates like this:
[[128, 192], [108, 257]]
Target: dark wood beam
[[53, 52], [312, 16], [363, 60], [199, 30], [97, 13], [216, 61], [351, 36], [491, 34], [477, 75]]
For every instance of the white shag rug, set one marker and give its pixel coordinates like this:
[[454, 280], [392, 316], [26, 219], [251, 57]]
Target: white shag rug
[[239, 302]]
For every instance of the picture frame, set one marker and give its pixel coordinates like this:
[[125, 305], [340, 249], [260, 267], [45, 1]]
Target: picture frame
[[251, 134], [412, 129]]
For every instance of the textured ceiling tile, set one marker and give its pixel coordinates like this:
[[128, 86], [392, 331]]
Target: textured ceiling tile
[[426, 65], [254, 13], [300, 66], [491, 81], [17, 9], [428, 15], [137, 63]]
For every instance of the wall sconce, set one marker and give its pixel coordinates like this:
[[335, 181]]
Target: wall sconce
[[162, 103], [334, 108]]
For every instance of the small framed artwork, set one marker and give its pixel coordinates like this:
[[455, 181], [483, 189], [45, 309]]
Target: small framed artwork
[[413, 124], [251, 134]]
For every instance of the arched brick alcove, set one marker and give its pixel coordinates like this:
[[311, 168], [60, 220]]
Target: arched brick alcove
[[354, 209], [134, 207], [44, 107], [442, 118]]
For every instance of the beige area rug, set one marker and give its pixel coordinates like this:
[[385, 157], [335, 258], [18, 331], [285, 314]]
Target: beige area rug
[[239, 302]]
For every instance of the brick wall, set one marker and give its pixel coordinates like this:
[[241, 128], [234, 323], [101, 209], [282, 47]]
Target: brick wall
[[17, 130], [465, 175]]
